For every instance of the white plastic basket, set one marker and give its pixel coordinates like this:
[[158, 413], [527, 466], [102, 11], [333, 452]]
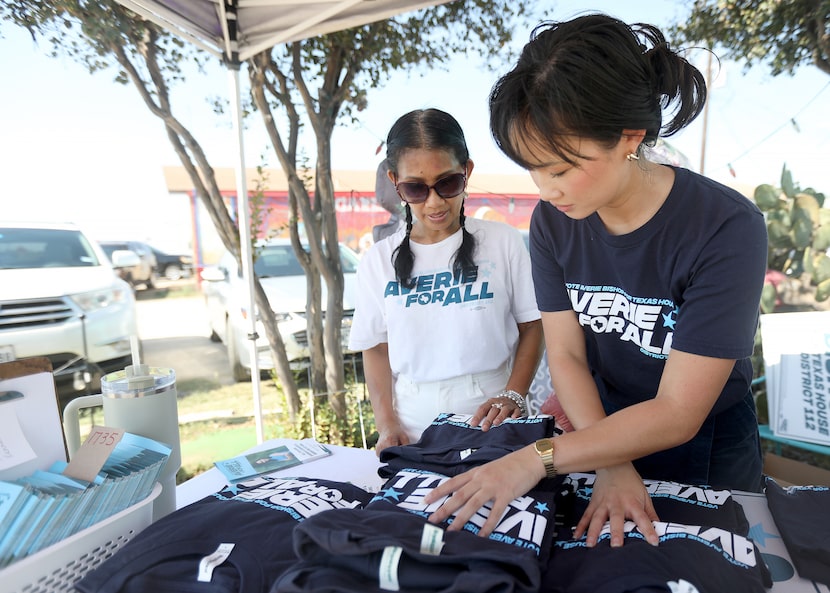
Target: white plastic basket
[[57, 568]]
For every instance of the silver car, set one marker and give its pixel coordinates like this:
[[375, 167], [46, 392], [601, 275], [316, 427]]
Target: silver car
[[283, 279], [60, 298]]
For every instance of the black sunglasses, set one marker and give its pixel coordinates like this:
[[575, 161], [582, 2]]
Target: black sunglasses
[[417, 192]]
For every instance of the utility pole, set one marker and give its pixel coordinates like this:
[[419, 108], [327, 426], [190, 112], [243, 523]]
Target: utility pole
[[706, 112]]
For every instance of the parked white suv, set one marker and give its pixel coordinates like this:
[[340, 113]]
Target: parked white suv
[[61, 298]]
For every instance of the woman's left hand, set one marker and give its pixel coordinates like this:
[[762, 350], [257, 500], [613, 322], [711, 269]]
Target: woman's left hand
[[495, 411], [499, 481]]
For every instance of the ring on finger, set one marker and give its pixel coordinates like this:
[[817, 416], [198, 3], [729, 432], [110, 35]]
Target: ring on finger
[[497, 405]]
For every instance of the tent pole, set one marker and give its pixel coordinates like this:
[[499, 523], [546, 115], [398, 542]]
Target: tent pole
[[245, 253]]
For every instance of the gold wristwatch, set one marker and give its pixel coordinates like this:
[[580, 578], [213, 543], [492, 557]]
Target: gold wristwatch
[[544, 447]]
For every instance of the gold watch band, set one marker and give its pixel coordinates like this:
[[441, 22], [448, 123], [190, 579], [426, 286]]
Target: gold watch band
[[544, 448]]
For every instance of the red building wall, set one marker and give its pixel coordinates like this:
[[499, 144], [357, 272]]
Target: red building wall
[[357, 213]]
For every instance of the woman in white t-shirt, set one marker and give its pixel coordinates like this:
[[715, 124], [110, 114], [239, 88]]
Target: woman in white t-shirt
[[446, 316]]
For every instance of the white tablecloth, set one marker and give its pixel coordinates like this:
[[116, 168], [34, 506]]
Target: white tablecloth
[[346, 464]]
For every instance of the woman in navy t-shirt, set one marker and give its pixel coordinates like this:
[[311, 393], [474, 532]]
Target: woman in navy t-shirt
[[648, 278]]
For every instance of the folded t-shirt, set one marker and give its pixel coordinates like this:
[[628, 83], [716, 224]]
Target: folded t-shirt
[[527, 527], [674, 503], [374, 550], [688, 558], [254, 521], [802, 515], [450, 446]]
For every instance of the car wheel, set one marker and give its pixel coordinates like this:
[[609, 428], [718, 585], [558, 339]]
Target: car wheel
[[173, 272], [238, 372], [150, 283]]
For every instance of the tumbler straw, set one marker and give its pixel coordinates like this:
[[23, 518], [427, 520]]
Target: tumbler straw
[[135, 351]]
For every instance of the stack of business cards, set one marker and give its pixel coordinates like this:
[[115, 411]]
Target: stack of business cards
[[45, 507]]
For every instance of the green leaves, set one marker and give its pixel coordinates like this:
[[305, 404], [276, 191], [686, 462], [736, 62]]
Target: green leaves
[[805, 219], [767, 197], [785, 35], [798, 228]]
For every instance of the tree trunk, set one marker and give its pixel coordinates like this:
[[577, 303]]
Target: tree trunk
[[278, 355]]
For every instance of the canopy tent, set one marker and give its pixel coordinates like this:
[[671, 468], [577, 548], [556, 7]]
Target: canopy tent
[[235, 30]]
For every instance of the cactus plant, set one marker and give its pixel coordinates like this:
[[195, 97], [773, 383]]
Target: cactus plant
[[799, 236]]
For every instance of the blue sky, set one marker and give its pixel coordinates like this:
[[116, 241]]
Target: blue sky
[[82, 148]]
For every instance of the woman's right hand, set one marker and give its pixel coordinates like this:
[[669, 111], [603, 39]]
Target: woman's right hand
[[391, 437]]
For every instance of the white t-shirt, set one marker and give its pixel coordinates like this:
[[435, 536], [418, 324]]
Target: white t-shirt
[[444, 328]]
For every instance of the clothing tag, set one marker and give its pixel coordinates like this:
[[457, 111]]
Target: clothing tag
[[432, 540], [465, 453], [92, 455], [388, 570], [208, 563], [14, 448]]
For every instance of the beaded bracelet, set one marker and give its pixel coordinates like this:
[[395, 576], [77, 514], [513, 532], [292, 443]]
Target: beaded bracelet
[[516, 399]]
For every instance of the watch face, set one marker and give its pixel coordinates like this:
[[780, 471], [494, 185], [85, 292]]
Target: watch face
[[543, 445]]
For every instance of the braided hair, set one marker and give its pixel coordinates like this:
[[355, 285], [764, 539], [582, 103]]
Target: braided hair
[[430, 129]]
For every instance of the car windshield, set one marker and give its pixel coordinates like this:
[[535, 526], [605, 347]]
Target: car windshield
[[279, 260], [44, 248], [110, 248]]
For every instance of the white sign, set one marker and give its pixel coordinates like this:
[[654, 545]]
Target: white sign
[[797, 368], [14, 448]]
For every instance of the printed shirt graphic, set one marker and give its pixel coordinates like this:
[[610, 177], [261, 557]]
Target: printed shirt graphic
[[674, 502], [445, 327], [526, 524], [257, 516], [706, 559], [688, 279], [645, 322]]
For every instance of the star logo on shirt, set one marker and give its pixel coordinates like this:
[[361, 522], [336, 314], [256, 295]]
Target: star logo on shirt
[[390, 493], [671, 319]]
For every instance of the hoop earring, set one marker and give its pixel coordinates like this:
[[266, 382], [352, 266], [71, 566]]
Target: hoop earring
[[632, 156]]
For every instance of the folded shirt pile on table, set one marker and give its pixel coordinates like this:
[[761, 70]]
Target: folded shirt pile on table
[[286, 535]]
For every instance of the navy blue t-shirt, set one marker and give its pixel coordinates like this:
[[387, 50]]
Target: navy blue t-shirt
[[673, 502], [527, 527], [257, 516], [689, 279], [451, 446], [688, 558], [372, 550], [801, 515]]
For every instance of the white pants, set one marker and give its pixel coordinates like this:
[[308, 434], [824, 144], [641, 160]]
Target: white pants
[[417, 404]]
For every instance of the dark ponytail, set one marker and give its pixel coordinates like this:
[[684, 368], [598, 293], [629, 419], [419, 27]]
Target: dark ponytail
[[430, 129], [592, 77]]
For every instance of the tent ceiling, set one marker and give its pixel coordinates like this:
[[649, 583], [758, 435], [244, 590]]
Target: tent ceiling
[[263, 24]]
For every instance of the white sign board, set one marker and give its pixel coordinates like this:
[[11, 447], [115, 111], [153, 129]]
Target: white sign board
[[797, 367]]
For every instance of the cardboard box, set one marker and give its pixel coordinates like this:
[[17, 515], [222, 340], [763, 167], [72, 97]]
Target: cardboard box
[[789, 472]]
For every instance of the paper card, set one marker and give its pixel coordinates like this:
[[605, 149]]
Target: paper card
[[93, 454], [14, 448], [270, 460]]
